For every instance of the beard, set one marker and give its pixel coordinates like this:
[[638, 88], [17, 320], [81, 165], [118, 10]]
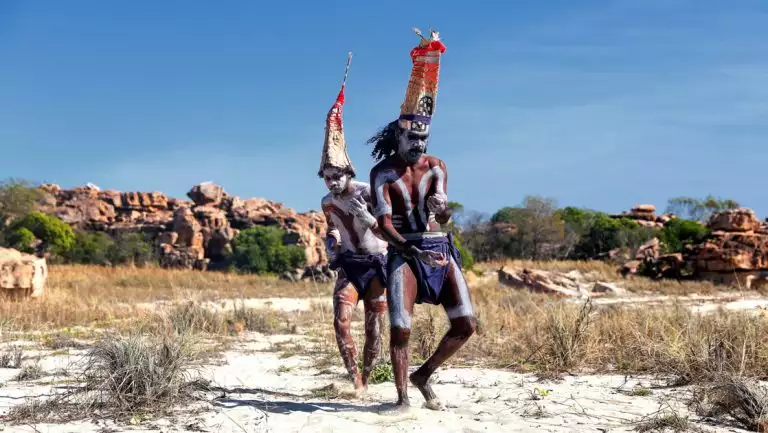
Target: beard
[[413, 151]]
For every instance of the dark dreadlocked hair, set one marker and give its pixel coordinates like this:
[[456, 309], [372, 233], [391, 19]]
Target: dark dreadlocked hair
[[385, 141]]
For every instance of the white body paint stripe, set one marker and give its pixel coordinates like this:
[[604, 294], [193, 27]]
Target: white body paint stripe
[[367, 241], [407, 202], [439, 174], [398, 315], [423, 188], [464, 309], [382, 207]]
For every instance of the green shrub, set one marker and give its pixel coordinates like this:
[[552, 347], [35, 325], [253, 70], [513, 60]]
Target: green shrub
[[467, 261], [56, 235], [22, 240], [130, 248], [598, 233], [679, 232], [261, 250], [90, 248]]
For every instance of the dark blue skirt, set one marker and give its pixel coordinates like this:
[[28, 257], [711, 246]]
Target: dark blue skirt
[[430, 279]]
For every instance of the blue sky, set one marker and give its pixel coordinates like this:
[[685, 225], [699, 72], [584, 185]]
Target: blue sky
[[601, 104]]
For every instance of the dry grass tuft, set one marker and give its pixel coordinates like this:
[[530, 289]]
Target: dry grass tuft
[[567, 329], [137, 372], [11, 357], [426, 332], [741, 400], [666, 420], [29, 372], [123, 376]]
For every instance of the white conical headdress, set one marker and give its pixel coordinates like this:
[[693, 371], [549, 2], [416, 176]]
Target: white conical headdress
[[335, 147]]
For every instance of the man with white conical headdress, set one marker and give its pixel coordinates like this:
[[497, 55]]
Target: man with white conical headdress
[[411, 202], [353, 248]]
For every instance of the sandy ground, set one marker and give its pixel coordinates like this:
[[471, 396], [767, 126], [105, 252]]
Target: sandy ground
[[262, 391]]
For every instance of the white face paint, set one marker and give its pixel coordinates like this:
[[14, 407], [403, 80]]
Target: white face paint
[[335, 180], [411, 145]]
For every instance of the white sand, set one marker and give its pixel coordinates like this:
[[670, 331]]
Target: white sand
[[270, 394], [279, 304]]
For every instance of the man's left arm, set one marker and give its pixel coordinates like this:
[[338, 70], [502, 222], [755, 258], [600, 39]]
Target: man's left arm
[[439, 202]]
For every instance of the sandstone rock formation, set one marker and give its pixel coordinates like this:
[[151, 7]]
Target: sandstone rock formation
[[645, 215], [23, 273], [735, 252], [565, 285], [738, 244], [187, 233]]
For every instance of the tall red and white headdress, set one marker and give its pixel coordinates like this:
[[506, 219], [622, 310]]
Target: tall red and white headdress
[[335, 146], [419, 106]]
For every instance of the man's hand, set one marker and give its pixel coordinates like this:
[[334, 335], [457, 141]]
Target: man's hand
[[432, 258], [359, 209], [331, 248], [437, 204]]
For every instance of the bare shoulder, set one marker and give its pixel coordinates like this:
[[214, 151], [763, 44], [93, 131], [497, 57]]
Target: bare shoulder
[[384, 172], [326, 201], [434, 161], [361, 189]]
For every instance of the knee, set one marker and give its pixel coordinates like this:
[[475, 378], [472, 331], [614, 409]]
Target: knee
[[464, 327], [341, 324], [398, 337]]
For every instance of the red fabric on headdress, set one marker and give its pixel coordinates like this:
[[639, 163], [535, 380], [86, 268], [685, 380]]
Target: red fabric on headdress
[[334, 115]]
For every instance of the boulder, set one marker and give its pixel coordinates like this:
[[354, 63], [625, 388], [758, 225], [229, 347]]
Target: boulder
[[734, 220], [19, 271], [650, 249], [644, 208], [206, 193], [537, 281]]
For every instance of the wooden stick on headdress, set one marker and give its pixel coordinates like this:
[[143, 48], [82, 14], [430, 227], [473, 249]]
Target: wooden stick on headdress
[[346, 71]]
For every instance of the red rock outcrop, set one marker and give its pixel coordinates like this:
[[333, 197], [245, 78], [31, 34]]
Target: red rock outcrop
[[645, 215], [187, 234], [739, 242]]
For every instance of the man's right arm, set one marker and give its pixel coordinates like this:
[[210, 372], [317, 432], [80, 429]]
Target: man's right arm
[[332, 235]]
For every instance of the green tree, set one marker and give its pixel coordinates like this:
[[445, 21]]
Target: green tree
[[467, 261], [679, 232], [699, 209], [261, 250], [56, 235], [540, 232], [598, 233], [17, 199]]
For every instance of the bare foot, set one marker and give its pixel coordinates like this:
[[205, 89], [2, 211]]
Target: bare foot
[[431, 400], [434, 404], [360, 391]]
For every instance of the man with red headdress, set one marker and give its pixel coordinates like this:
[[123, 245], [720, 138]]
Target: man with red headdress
[[410, 203]]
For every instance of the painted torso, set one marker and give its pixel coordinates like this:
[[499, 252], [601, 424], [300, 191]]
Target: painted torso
[[353, 237], [409, 188]]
